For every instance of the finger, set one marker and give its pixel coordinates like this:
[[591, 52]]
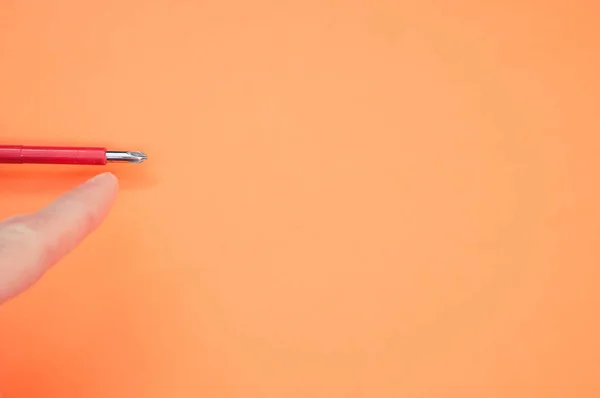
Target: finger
[[30, 244]]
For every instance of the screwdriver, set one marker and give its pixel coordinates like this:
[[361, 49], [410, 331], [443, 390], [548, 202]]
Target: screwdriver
[[91, 156]]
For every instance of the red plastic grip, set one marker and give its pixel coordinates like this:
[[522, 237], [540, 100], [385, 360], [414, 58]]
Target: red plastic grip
[[52, 155]]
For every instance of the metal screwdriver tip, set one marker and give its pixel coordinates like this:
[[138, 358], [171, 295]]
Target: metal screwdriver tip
[[127, 157]]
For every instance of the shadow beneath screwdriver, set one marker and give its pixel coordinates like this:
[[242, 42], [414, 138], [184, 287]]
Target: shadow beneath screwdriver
[[58, 178]]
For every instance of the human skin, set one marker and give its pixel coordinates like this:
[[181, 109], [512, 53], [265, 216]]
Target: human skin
[[30, 244]]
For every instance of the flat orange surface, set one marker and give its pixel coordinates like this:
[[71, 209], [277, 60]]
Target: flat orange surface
[[343, 199]]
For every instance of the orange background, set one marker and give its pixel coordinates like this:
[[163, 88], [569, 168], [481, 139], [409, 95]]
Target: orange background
[[343, 198]]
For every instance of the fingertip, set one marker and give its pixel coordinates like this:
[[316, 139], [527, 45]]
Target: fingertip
[[70, 218], [108, 179], [103, 188]]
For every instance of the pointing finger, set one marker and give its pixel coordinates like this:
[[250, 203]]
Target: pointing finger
[[30, 244]]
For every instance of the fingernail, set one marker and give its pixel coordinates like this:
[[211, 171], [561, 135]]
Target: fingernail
[[102, 177]]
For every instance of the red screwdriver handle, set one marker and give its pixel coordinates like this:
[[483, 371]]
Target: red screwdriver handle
[[52, 155]]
